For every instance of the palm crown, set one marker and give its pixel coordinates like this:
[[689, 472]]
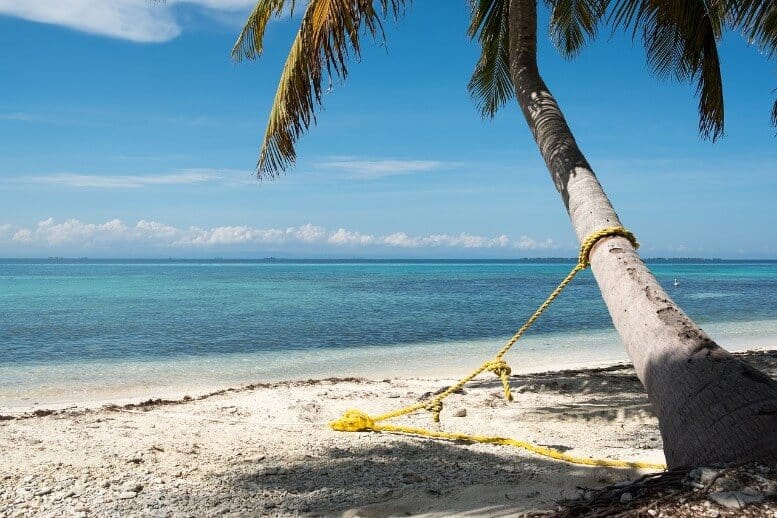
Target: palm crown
[[680, 39]]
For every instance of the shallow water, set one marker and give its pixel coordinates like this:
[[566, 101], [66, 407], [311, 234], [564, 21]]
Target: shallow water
[[82, 328]]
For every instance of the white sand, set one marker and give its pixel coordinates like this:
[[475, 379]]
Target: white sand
[[267, 451]]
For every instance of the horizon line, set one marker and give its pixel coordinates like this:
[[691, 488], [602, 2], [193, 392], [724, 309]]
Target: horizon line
[[54, 259]]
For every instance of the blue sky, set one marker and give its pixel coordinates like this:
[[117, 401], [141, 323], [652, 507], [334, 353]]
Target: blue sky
[[126, 131]]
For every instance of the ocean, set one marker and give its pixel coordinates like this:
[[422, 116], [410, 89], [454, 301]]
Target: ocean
[[72, 330]]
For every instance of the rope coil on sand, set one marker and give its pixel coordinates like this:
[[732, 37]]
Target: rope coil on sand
[[358, 421]]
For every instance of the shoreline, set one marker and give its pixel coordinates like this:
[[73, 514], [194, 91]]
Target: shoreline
[[129, 398], [175, 378], [268, 450]]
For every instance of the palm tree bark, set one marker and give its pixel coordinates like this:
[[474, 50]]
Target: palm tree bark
[[712, 408]]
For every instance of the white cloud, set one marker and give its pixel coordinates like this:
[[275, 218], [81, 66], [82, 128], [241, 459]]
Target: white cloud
[[529, 243], [347, 237], [72, 231], [19, 116], [152, 228], [135, 20], [49, 233], [400, 239], [6, 231], [96, 181], [216, 236], [372, 169], [358, 169], [23, 235], [307, 233], [463, 240], [219, 4]]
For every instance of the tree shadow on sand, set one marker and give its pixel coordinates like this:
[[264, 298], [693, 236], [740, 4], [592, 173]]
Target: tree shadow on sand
[[405, 476], [393, 475], [609, 393]]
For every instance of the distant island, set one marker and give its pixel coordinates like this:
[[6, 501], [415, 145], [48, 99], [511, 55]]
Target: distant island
[[363, 260]]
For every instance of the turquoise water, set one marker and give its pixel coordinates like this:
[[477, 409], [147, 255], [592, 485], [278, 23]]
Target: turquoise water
[[103, 323]]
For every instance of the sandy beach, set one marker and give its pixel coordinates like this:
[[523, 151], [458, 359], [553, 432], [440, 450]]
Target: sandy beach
[[267, 449]]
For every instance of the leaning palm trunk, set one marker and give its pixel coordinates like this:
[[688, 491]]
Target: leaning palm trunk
[[711, 407]]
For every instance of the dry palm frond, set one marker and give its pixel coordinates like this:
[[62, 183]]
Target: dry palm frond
[[249, 43], [574, 22], [491, 84], [329, 34], [680, 38]]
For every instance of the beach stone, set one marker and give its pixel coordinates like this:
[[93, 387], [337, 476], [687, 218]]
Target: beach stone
[[132, 487], [44, 491], [704, 475], [127, 495], [460, 413], [725, 484], [735, 499], [626, 498], [412, 478]]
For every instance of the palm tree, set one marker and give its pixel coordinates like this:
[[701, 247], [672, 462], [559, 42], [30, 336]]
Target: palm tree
[[712, 407]]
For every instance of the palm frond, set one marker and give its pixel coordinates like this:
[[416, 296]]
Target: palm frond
[[774, 114], [491, 85], [328, 37], [680, 39], [757, 19], [574, 22], [249, 43]]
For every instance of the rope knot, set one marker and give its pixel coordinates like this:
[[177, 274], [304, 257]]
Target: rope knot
[[353, 421], [435, 407], [588, 243], [503, 370]]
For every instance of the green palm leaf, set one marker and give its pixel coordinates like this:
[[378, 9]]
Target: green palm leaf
[[757, 19], [491, 85], [574, 22], [680, 39], [328, 36]]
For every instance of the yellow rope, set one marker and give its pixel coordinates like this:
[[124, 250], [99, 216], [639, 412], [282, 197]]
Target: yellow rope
[[357, 421]]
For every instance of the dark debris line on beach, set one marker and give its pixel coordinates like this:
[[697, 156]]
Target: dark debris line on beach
[[148, 404], [743, 491]]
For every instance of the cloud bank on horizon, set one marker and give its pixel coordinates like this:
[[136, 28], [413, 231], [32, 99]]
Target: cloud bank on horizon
[[72, 234], [143, 21]]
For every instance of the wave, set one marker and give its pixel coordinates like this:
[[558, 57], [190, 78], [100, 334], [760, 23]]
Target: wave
[[710, 295]]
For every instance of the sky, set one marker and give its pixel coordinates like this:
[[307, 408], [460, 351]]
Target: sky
[[127, 131]]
